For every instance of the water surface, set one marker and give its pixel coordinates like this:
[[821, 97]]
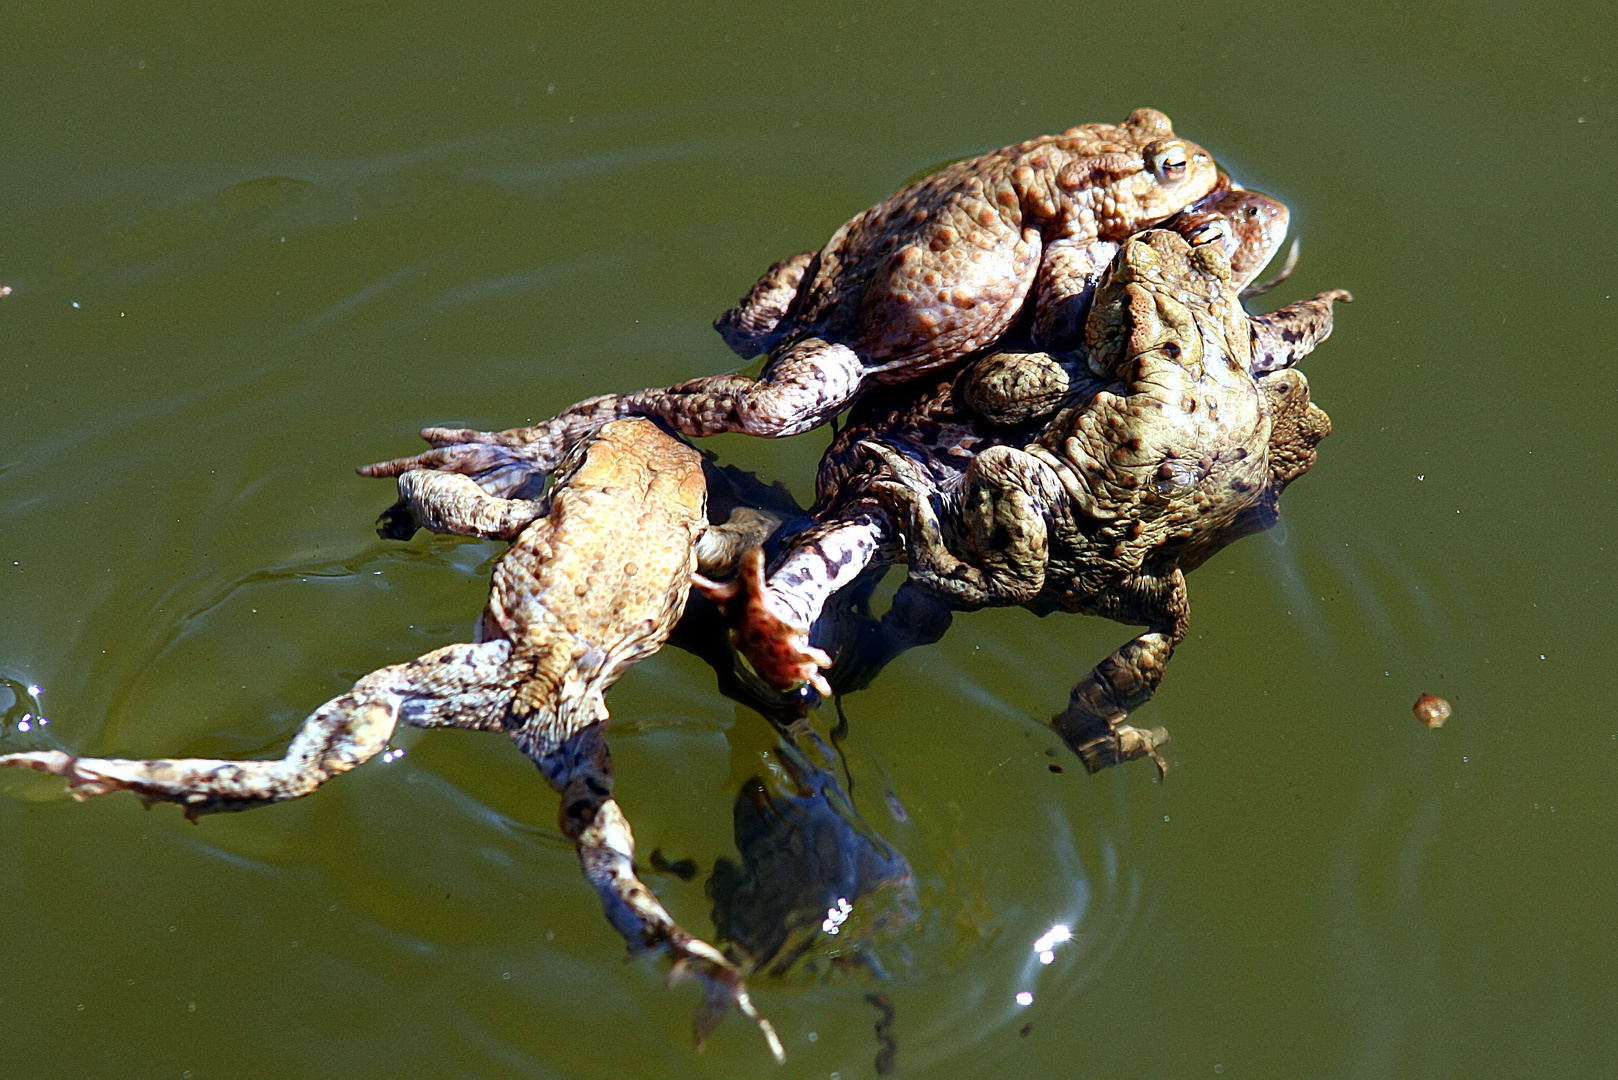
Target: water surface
[[251, 250]]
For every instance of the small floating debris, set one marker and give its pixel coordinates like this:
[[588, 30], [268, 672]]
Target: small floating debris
[[1432, 710], [5, 290]]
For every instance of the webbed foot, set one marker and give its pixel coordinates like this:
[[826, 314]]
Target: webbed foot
[[722, 988], [778, 650], [499, 470], [1123, 743]]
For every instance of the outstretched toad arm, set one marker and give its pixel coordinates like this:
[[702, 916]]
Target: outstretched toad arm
[[1286, 335], [801, 387], [941, 269], [465, 686]]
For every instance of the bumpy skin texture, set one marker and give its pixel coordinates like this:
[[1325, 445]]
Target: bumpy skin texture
[[1249, 225], [593, 582], [1001, 399], [1176, 433], [943, 267], [937, 271], [1126, 491]]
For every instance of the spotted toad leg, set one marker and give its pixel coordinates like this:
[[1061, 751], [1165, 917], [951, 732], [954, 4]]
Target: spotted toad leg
[[1287, 335], [799, 389], [446, 502], [752, 327], [1068, 272], [456, 686], [580, 767], [1093, 724], [1002, 510]]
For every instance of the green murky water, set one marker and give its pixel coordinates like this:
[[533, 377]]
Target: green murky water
[[249, 251]]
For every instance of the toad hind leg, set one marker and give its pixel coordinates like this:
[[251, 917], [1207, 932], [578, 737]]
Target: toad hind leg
[[1093, 724], [447, 502], [580, 767], [1288, 334], [457, 686], [754, 324], [799, 389]]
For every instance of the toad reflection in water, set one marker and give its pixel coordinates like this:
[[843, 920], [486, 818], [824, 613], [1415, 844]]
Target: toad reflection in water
[[808, 861]]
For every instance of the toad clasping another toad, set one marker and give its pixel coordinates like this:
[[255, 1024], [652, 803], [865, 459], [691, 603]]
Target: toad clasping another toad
[[939, 270]]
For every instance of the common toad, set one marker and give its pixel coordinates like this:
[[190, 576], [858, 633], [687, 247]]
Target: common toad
[[594, 580], [1004, 398], [1178, 428], [1138, 483], [939, 270]]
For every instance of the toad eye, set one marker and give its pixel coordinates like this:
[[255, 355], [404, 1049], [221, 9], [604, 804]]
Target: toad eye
[[1169, 162], [1217, 231]]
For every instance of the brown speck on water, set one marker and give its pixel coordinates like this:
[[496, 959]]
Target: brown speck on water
[[1432, 710], [1025, 1029], [1055, 767]]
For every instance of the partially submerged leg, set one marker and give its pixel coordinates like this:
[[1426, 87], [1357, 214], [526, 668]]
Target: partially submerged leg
[[457, 686], [801, 388], [446, 502], [1093, 724], [580, 767], [1287, 335]]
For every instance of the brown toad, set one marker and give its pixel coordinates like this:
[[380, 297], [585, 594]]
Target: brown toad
[[595, 578], [1002, 399], [941, 269], [1138, 483]]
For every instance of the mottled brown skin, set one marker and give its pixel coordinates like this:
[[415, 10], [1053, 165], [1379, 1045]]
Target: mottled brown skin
[[1128, 489], [1001, 399], [594, 580], [943, 267], [939, 270], [1249, 225]]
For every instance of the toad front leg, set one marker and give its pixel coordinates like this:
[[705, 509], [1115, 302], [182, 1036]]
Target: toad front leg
[[447, 502], [801, 387], [1093, 724], [466, 686], [1002, 516], [1068, 272], [770, 621]]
